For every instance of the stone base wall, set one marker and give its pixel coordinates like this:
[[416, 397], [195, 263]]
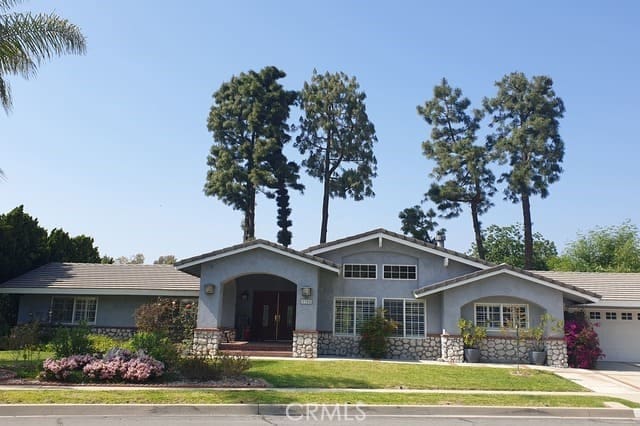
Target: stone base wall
[[206, 341], [557, 353], [120, 333], [505, 349], [399, 348], [228, 335], [305, 344], [452, 348]]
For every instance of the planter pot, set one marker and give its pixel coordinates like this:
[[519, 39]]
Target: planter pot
[[472, 355], [537, 357]]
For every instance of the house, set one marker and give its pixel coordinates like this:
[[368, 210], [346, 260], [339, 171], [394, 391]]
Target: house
[[104, 296], [317, 299]]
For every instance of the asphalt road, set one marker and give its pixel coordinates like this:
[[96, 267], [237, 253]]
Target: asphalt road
[[196, 420]]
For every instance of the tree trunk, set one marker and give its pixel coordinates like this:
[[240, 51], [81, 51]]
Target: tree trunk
[[477, 230], [528, 236], [326, 191], [249, 228]]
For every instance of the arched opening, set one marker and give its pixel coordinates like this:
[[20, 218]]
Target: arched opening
[[261, 308]]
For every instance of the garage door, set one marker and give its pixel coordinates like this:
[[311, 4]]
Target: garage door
[[619, 333]]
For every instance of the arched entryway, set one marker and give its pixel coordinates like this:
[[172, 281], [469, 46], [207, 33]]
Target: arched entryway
[[264, 308]]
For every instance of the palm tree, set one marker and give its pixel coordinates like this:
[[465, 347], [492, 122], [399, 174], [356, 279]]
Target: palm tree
[[26, 40]]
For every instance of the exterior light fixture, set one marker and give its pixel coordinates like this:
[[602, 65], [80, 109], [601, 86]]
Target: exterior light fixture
[[209, 289]]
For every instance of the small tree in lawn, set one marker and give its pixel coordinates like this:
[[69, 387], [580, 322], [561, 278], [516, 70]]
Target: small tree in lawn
[[337, 137]]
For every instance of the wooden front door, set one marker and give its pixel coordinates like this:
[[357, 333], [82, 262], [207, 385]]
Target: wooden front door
[[274, 315]]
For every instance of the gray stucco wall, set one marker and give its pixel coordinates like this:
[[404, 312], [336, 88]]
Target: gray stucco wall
[[112, 311], [431, 269], [503, 288], [211, 309]]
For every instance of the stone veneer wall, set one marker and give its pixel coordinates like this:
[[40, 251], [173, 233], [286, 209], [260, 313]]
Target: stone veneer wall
[[305, 344], [557, 353], [206, 341], [506, 349], [120, 333], [399, 348], [452, 348]]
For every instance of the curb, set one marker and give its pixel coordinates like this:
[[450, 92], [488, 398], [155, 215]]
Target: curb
[[308, 410]]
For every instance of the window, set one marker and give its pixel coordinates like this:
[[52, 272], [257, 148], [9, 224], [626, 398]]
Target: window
[[626, 316], [354, 270], [611, 315], [594, 315], [501, 315], [399, 272], [72, 310], [351, 313], [409, 314]]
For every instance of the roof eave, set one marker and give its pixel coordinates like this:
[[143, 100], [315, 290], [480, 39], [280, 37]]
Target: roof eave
[[99, 291]]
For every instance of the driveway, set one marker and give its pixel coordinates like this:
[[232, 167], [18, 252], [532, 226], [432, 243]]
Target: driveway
[[620, 379]]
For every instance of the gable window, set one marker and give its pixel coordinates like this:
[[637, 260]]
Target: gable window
[[361, 271], [73, 310], [594, 315], [408, 313], [611, 315], [399, 272], [350, 313], [626, 316], [501, 315]]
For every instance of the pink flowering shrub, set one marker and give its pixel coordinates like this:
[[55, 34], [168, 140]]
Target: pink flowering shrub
[[61, 369], [583, 345]]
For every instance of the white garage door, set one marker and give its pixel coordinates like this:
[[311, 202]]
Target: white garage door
[[619, 333]]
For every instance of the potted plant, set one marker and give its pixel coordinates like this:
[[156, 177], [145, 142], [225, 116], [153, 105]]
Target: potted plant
[[535, 335], [472, 335]]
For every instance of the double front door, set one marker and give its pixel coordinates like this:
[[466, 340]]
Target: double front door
[[274, 315]]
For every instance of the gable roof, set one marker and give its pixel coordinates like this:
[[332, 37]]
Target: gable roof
[[509, 270], [188, 264], [617, 288], [400, 239], [103, 279]]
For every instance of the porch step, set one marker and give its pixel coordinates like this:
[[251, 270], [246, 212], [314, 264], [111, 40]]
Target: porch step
[[283, 349], [286, 354]]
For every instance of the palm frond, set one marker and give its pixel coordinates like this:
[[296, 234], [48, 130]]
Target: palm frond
[[8, 4], [5, 100]]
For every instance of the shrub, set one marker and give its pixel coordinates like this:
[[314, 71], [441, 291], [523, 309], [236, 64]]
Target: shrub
[[233, 365], [24, 339], [199, 368], [374, 336], [471, 334], [121, 364], [156, 345], [101, 343], [69, 341], [62, 369], [169, 317], [583, 345]]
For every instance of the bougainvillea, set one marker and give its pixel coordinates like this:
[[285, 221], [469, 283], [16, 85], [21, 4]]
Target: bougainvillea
[[583, 345]]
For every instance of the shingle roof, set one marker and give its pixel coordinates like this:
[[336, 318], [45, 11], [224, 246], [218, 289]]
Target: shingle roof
[[95, 276], [503, 267], [383, 231], [612, 286], [185, 263]]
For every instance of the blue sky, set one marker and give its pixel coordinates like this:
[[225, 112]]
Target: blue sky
[[113, 144]]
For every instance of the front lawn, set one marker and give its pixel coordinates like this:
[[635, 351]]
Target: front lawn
[[379, 375], [24, 364]]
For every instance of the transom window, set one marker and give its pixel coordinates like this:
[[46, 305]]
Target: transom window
[[594, 315], [501, 315], [362, 271], [408, 313], [73, 310], [399, 272], [611, 315], [351, 313], [626, 316]]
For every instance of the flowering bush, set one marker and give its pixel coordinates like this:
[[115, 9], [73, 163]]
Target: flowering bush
[[583, 345], [61, 369]]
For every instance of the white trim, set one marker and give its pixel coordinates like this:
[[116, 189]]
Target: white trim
[[427, 292], [404, 316], [399, 279], [501, 305], [68, 291], [73, 310], [360, 278], [355, 298], [460, 259], [256, 246]]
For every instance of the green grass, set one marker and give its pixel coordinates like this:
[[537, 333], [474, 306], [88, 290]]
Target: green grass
[[380, 375], [28, 367], [159, 396]]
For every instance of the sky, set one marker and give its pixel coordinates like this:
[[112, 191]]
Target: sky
[[113, 144]]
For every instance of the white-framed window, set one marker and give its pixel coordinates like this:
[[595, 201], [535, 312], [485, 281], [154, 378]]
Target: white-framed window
[[499, 315], [408, 313], [611, 315], [360, 271], [626, 316], [351, 312], [594, 315], [73, 310], [400, 272]]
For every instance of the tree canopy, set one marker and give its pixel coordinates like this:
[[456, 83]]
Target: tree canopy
[[462, 171], [419, 224], [524, 118], [165, 260], [603, 249], [337, 137], [248, 121], [505, 244], [136, 259]]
